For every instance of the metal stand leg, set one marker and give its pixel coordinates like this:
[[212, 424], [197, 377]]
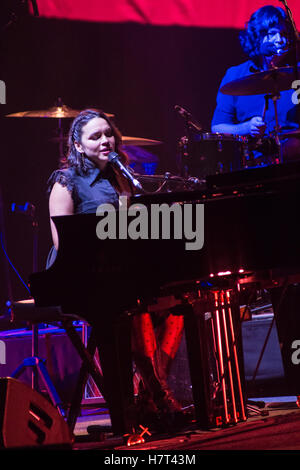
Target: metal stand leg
[[79, 390], [39, 368]]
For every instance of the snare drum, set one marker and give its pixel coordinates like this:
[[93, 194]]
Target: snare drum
[[214, 153]]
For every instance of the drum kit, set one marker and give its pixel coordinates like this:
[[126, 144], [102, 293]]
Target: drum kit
[[203, 153], [62, 111]]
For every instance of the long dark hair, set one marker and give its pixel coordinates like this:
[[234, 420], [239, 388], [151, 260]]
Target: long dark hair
[[257, 27], [78, 160]]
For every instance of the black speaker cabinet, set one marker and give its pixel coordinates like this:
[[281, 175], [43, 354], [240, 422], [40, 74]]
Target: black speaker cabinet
[[28, 420]]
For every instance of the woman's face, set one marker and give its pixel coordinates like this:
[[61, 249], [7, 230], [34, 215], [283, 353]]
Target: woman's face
[[97, 141]]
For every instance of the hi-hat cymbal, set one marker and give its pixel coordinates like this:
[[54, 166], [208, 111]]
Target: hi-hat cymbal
[[57, 112], [269, 81]]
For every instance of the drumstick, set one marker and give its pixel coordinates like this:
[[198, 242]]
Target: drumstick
[[266, 106]]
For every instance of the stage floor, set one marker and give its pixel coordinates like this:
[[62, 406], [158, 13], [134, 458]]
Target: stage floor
[[279, 430]]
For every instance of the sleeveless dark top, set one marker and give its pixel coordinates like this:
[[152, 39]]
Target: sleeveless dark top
[[88, 190]]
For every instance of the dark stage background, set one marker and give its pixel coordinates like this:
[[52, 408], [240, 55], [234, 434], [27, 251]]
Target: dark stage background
[[137, 72]]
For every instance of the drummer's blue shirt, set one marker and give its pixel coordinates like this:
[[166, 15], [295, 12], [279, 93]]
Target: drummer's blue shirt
[[238, 109]]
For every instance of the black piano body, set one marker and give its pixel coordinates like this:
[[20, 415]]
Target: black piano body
[[250, 226]]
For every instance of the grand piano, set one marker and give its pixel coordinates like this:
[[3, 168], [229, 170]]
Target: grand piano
[[251, 232]]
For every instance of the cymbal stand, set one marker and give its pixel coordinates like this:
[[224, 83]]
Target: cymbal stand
[[29, 211], [35, 327], [36, 363], [191, 125], [274, 97], [295, 44], [184, 156], [60, 132]]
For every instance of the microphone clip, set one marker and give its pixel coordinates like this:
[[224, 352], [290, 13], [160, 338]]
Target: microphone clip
[[188, 117]]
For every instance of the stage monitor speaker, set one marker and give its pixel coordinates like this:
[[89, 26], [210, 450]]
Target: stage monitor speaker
[[29, 420]]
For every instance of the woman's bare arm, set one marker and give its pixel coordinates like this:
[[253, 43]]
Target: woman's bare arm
[[60, 203]]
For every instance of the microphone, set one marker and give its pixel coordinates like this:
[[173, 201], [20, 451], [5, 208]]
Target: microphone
[[188, 117], [268, 49], [114, 159]]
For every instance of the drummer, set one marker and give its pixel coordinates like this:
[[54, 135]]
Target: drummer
[[267, 37]]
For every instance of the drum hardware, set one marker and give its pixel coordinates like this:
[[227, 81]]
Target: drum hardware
[[190, 122], [214, 153], [184, 155], [266, 146], [139, 141], [126, 141], [275, 97], [60, 111], [192, 126], [134, 155], [291, 133], [290, 144], [272, 81]]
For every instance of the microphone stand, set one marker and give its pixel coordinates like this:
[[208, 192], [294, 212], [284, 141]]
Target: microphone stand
[[29, 211], [35, 327], [295, 43], [192, 126], [291, 19]]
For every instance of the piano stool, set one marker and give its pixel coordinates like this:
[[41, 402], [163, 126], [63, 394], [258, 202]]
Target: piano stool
[[27, 311]]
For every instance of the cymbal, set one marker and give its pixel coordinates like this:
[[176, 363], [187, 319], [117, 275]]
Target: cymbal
[[140, 155], [139, 141], [57, 112], [126, 141], [269, 81], [293, 133]]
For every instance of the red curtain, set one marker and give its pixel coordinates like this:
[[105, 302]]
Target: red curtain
[[203, 13]]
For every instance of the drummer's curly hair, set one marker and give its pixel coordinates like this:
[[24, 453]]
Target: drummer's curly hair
[[257, 27], [78, 160]]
